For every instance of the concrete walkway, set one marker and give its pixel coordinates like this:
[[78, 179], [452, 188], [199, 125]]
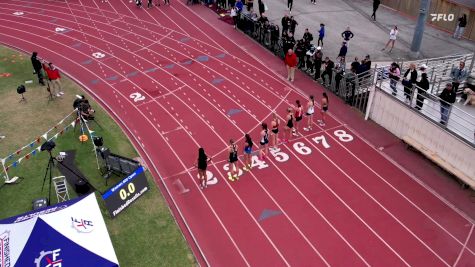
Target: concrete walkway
[[370, 37]]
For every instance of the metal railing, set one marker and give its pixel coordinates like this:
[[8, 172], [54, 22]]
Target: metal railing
[[449, 116]]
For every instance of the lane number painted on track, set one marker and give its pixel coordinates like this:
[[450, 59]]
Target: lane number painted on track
[[18, 13], [137, 97], [211, 180], [343, 136], [59, 29], [98, 55], [299, 147], [279, 155]]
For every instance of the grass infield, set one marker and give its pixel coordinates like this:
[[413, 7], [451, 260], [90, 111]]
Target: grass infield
[[143, 235]]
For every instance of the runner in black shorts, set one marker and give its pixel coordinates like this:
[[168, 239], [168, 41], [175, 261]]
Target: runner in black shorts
[[247, 152], [275, 130], [289, 126], [233, 161], [264, 141], [201, 164], [324, 110], [298, 116]]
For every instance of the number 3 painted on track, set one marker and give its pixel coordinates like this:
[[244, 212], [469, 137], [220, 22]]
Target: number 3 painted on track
[[137, 97]]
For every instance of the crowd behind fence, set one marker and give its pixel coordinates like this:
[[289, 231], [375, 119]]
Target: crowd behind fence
[[354, 86]]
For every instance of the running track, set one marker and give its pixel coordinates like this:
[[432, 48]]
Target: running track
[[175, 83]]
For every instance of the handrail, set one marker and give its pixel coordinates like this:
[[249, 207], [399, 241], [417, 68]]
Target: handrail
[[459, 122]]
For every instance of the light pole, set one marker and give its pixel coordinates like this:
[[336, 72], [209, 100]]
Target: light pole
[[419, 30]]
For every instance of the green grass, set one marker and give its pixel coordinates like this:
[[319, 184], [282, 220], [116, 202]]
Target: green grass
[[143, 235]]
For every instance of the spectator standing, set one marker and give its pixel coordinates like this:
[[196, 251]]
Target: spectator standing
[[307, 38], [300, 52], [166, 2], [149, 4], [343, 51], [394, 75], [310, 59], [329, 66], [233, 15], [37, 67], [347, 35], [355, 65], [461, 24], [54, 79], [290, 3], [285, 24], [291, 63], [250, 5], [317, 62], [239, 6], [261, 6], [313, 2], [458, 75], [376, 4], [392, 39], [447, 98], [422, 87], [321, 34], [410, 78], [293, 24], [422, 69], [288, 42]]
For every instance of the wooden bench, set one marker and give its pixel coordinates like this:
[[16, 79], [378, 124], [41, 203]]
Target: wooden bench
[[434, 157]]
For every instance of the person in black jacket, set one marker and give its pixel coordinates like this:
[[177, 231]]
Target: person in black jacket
[[462, 23], [307, 38], [37, 67], [317, 62], [347, 35], [262, 7], [293, 24], [422, 87], [343, 51], [409, 78], [447, 98], [329, 66], [376, 4], [285, 24]]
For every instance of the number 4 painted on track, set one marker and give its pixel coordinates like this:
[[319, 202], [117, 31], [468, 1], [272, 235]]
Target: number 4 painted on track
[[137, 97]]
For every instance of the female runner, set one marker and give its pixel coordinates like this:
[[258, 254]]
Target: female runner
[[289, 126], [275, 130], [310, 112], [264, 141], [233, 161], [201, 164], [324, 110], [298, 117], [247, 152]]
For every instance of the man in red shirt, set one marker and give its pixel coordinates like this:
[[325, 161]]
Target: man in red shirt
[[291, 63], [54, 79]]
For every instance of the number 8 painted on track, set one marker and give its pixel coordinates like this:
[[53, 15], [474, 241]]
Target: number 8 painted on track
[[343, 136]]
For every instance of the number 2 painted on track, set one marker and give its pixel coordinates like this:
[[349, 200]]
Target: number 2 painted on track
[[137, 97]]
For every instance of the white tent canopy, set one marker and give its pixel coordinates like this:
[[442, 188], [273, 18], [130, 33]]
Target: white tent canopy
[[71, 233]]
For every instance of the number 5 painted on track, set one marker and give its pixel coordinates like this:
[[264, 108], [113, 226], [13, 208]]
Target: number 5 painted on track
[[137, 97]]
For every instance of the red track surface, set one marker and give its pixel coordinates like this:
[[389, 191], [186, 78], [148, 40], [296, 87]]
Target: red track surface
[[345, 205]]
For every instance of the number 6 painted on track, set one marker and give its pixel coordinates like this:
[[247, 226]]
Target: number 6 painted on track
[[137, 97]]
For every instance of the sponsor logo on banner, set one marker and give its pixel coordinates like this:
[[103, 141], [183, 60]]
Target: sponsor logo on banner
[[49, 259], [82, 225], [5, 249]]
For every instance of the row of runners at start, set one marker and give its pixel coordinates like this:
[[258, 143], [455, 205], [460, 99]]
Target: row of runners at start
[[293, 118]]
